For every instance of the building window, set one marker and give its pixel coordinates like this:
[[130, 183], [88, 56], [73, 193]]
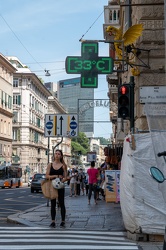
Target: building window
[[1, 126], [9, 102], [38, 122], [36, 137], [2, 97], [0, 149], [16, 134], [15, 82], [5, 129], [15, 117], [8, 150], [4, 149], [6, 99], [17, 99], [9, 127]]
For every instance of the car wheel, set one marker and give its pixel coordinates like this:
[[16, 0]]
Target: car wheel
[[32, 190]]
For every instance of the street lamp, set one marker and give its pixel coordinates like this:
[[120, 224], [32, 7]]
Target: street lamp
[[47, 73]]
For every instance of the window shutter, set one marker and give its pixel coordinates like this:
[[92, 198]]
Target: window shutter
[[18, 134], [19, 99]]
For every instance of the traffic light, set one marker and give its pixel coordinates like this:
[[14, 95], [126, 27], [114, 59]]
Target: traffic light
[[124, 102], [79, 153]]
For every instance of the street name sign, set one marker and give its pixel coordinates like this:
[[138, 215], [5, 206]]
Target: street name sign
[[154, 94], [65, 125]]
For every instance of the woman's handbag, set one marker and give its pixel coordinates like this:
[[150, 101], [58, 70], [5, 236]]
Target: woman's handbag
[[57, 184], [48, 190]]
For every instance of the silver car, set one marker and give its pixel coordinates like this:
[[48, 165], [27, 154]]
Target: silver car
[[29, 182]]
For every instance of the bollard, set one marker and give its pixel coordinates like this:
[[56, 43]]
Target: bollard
[[164, 245]]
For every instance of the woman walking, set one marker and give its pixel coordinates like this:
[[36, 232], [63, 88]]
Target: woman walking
[[58, 169], [92, 174]]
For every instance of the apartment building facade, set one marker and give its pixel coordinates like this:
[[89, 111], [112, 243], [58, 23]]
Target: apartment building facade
[[6, 112], [150, 60], [30, 104]]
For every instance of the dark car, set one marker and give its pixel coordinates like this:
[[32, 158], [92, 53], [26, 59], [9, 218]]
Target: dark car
[[36, 182]]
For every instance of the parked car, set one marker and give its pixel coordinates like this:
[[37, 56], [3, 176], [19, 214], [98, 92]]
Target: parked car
[[36, 182], [29, 182]]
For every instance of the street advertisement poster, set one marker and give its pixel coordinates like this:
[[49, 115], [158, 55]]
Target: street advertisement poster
[[112, 187]]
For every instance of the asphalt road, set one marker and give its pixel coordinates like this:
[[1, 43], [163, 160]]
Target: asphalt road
[[15, 200]]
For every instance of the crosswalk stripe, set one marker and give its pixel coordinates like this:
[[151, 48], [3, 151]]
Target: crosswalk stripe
[[67, 247], [28, 238], [39, 229]]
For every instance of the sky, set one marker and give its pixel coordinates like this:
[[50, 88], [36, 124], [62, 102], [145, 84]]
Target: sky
[[42, 33]]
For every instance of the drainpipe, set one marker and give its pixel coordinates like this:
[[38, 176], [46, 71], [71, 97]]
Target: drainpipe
[[130, 11]]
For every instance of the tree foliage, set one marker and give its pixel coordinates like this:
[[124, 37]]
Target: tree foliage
[[104, 141], [80, 143]]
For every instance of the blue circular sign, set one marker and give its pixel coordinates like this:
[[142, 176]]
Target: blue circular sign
[[49, 125], [73, 125], [73, 133]]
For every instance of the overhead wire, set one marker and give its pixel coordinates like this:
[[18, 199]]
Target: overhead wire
[[29, 51], [20, 40], [35, 61], [90, 26], [44, 62]]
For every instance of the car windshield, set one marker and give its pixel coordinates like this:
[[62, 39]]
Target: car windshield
[[39, 176]]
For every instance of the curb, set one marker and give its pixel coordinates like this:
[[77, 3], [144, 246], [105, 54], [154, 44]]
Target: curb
[[14, 218]]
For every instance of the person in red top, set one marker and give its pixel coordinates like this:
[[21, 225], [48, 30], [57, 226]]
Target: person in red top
[[93, 174]]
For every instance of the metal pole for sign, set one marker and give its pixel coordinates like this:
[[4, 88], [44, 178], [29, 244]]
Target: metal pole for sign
[[48, 160], [48, 152], [132, 84], [57, 145]]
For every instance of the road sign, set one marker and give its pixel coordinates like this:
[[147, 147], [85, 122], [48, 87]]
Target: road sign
[[152, 94], [49, 125], [15, 158], [65, 125], [91, 156], [89, 65]]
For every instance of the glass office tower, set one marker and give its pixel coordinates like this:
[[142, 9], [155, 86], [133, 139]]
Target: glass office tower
[[77, 100]]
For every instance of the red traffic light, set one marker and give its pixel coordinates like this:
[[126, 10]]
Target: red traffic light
[[124, 101], [123, 90]]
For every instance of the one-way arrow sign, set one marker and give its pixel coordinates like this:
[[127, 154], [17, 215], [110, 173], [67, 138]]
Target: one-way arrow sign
[[65, 125]]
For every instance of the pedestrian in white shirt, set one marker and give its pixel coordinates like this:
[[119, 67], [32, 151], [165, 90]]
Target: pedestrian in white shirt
[[73, 183]]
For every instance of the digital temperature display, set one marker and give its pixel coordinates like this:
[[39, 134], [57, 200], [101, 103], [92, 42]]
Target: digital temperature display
[[89, 65]]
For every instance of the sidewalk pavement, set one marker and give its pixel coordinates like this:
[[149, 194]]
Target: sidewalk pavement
[[80, 216]]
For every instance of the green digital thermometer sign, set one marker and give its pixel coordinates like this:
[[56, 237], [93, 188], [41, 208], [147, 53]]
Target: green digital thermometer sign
[[89, 65]]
